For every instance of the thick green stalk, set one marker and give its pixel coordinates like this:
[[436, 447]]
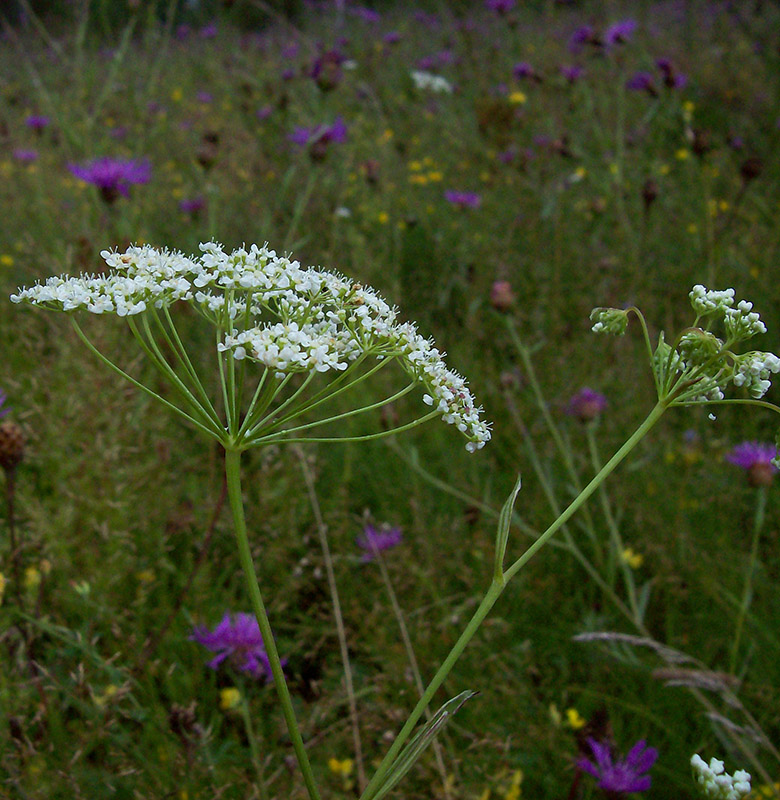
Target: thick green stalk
[[233, 475], [494, 592], [627, 447]]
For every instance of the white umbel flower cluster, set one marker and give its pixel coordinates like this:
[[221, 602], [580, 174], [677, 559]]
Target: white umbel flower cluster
[[273, 311], [427, 81], [708, 301], [714, 782]]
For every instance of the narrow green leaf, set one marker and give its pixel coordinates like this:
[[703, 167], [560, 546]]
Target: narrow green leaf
[[504, 523], [417, 744]]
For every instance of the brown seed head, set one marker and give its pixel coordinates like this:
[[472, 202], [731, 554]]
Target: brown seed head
[[11, 445]]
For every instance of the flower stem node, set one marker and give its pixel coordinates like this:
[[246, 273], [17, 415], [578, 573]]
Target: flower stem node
[[613, 321]]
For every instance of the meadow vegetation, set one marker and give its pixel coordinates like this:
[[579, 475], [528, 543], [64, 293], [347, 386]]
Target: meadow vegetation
[[497, 170]]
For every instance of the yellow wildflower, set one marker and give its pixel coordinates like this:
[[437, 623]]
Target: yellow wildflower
[[632, 558], [6, 260], [682, 154], [32, 578], [514, 791], [383, 217], [229, 698], [693, 228], [342, 768], [574, 720], [109, 692], [517, 98], [176, 95]]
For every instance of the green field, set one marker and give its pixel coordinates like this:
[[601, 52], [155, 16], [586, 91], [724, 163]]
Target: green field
[[497, 174]]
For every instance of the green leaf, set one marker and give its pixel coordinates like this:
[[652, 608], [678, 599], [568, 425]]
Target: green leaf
[[417, 744], [504, 523]]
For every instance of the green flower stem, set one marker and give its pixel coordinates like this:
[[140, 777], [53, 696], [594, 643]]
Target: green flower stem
[[233, 475], [257, 760], [212, 432], [747, 594], [627, 447], [248, 422], [280, 436], [494, 592], [260, 403], [226, 396]]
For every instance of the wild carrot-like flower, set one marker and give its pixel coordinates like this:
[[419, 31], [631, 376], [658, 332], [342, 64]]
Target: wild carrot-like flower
[[623, 775], [756, 459], [374, 540], [236, 639], [113, 176], [269, 310], [714, 782]]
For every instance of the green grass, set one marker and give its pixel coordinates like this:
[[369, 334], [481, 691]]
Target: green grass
[[117, 497]]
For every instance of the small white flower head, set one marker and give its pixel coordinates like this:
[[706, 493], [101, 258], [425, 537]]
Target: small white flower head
[[273, 311], [427, 81], [752, 372], [709, 301], [612, 321], [742, 322], [714, 782]]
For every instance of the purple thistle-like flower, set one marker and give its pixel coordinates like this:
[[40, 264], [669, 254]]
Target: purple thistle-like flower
[[463, 199], [624, 775], [374, 540], [337, 132], [642, 81], [500, 6], [756, 459], [236, 638], [523, 70], [37, 122], [192, 205], [572, 72], [26, 156], [3, 408], [113, 176], [620, 32], [586, 404]]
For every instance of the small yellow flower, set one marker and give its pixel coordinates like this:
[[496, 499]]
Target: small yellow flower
[[755, 272], [109, 692], [6, 260], [145, 575], [682, 154], [229, 698], [632, 558], [574, 720], [517, 98], [342, 768], [176, 95], [387, 135], [415, 166], [514, 791], [383, 217], [693, 228], [663, 169], [485, 795], [420, 180], [614, 169], [723, 205], [32, 578], [435, 176], [579, 173]]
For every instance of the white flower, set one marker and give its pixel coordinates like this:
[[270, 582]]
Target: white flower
[[714, 782], [706, 301], [274, 312], [430, 82]]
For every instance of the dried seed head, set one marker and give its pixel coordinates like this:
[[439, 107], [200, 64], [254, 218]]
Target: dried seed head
[[11, 445]]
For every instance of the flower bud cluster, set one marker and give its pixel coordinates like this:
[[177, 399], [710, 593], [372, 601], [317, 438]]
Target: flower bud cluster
[[714, 782], [613, 321], [273, 311], [742, 322], [708, 301], [752, 372]]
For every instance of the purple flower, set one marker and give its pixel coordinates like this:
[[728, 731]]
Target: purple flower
[[523, 70], [264, 112], [756, 459], [37, 122], [319, 137], [366, 14], [375, 540], [326, 70], [208, 31], [192, 205], [205, 97], [624, 775], [585, 34], [463, 199], [572, 72], [620, 32], [25, 156], [500, 6], [113, 176], [391, 37], [3, 408], [642, 82], [672, 78], [586, 404], [237, 638]]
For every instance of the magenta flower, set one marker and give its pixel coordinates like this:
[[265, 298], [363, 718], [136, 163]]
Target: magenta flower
[[463, 199], [642, 81], [586, 404], [572, 72], [37, 122], [585, 34], [620, 32], [374, 540], [236, 638], [26, 156], [337, 132], [756, 459], [192, 205], [500, 6], [622, 776], [113, 176]]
